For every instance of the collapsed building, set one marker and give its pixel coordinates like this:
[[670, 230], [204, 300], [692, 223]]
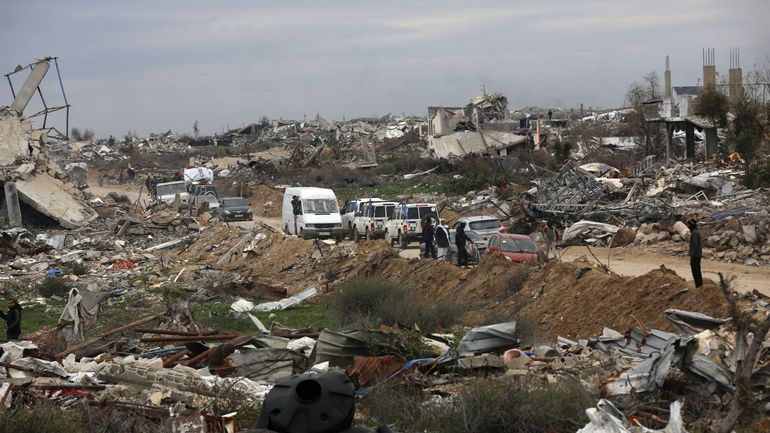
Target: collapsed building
[[34, 191], [482, 127]]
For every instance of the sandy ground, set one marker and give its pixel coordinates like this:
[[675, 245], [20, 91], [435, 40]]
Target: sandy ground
[[633, 262], [132, 191]]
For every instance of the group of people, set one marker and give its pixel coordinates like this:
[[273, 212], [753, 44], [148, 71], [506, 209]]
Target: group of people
[[436, 241]]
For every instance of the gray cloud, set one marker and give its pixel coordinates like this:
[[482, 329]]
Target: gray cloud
[[151, 66]]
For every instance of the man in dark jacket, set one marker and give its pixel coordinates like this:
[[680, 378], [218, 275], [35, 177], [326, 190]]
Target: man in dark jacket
[[427, 239], [696, 252], [12, 319], [296, 209], [460, 238]]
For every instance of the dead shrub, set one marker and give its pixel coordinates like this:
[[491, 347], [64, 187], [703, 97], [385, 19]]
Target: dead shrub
[[369, 302], [499, 404], [515, 279], [42, 417]]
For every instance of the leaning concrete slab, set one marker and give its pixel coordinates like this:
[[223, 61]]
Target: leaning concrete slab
[[50, 197], [30, 85]]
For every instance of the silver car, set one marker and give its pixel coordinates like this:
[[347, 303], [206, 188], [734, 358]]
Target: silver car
[[485, 225]]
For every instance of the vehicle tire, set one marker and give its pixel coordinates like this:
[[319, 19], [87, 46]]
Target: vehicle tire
[[402, 241], [339, 238], [368, 235], [355, 235]]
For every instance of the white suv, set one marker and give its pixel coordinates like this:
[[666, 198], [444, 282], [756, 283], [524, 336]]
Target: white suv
[[371, 223], [405, 225], [351, 209]]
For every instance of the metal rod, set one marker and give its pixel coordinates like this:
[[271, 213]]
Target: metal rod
[[186, 338], [10, 83], [104, 335], [58, 74], [45, 107]]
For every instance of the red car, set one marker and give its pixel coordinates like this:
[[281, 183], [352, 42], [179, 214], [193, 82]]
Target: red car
[[519, 249]]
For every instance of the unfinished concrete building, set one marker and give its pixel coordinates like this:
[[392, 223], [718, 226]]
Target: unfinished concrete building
[[34, 192], [679, 109]]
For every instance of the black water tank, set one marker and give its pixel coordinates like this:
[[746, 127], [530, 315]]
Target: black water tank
[[310, 403]]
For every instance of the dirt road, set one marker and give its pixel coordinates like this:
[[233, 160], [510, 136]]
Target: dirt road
[[132, 191], [633, 262]]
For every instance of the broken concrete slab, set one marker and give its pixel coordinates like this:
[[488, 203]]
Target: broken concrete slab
[[50, 197]]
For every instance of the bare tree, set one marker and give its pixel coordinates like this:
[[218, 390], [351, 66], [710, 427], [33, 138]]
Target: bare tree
[[75, 134], [637, 94], [88, 134]]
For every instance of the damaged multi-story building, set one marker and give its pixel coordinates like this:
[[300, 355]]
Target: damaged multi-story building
[[34, 188], [482, 127]]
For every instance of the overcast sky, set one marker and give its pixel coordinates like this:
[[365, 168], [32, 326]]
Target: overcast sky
[[158, 65]]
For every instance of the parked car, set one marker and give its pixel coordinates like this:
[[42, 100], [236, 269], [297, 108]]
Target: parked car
[[235, 208], [519, 249], [320, 217], [353, 208], [405, 225], [370, 224], [484, 225], [475, 249]]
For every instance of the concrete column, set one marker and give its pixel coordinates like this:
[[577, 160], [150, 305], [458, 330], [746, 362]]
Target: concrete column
[[12, 204], [711, 141], [669, 140], [689, 133]]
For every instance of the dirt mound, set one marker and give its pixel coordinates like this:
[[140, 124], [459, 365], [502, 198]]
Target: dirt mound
[[481, 287], [265, 200], [575, 300]]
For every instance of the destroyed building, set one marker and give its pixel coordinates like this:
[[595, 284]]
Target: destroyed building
[[35, 192], [482, 127]]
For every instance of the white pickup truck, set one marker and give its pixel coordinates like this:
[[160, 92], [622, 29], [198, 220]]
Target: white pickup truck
[[370, 223]]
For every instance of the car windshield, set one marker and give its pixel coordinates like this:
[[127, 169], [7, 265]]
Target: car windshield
[[485, 225], [518, 246], [235, 201], [319, 205], [420, 212]]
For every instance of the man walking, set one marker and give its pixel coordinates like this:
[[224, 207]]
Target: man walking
[[696, 252], [12, 320], [296, 208], [442, 240]]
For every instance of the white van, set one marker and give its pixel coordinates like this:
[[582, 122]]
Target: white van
[[320, 216]]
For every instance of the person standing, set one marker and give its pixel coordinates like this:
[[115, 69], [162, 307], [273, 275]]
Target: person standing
[[12, 319], [696, 252], [427, 239], [296, 209], [442, 240], [460, 239], [550, 233]]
